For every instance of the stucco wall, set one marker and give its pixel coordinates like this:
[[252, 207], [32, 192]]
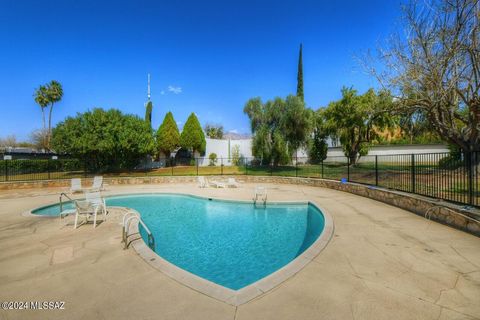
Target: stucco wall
[[221, 149]]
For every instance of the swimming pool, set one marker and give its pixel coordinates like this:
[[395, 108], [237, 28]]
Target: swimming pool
[[232, 244]]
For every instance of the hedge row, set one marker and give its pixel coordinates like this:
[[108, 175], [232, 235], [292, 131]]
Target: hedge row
[[40, 166]]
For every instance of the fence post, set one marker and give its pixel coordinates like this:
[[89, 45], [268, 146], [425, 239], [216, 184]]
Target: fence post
[[376, 170], [412, 173], [196, 161], [348, 169], [470, 164], [221, 166], [271, 169], [6, 169], [322, 169], [246, 166], [48, 168], [296, 166]]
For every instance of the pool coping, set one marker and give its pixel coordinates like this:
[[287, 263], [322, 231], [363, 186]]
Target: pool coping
[[252, 291]]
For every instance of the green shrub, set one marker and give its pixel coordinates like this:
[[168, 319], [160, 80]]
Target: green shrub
[[236, 155], [213, 159], [453, 160]]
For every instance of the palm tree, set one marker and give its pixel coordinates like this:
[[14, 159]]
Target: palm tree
[[41, 98], [54, 95]]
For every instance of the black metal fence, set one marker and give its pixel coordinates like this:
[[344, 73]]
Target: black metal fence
[[437, 175]]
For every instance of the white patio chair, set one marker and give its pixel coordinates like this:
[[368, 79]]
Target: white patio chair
[[91, 206], [232, 183], [97, 184], [202, 183], [76, 185]]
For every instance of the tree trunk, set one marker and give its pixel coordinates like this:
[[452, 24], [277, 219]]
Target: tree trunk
[[49, 135], [44, 137], [352, 158]]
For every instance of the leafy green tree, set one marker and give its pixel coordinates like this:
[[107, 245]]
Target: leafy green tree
[[300, 75], [104, 139], [435, 69], [317, 146], [148, 112], [279, 127], [168, 136], [296, 123], [214, 131], [192, 137], [356, 119]]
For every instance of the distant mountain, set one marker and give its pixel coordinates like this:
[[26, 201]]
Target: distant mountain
[[236, 136]]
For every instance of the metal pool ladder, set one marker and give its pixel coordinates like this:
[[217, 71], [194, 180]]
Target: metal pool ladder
[[67, 212], [260, 194], [127, 219]]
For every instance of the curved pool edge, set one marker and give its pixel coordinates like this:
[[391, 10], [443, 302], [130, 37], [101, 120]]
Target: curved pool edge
[[209, 288], [250, 292]]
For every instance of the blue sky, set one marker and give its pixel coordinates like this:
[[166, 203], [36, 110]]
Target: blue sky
[[213, 55]]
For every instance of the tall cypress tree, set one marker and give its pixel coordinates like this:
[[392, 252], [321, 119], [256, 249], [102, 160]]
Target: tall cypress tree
[[148, 113], [300, 75], [192, 136], [168, 136]]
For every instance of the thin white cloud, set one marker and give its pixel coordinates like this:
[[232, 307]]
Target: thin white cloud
[[162, 92], [179, 122], [173, 89], [233, 131]]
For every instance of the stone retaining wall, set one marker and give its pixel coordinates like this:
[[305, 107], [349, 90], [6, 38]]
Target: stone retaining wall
[[440, 211]]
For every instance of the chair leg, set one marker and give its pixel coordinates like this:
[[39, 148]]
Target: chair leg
[[95, 218], [104, 210], [76, 220]]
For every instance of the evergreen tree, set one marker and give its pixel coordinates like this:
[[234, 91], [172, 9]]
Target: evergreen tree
[[168, 136], [300, 75], [148, 113], [192, 137]]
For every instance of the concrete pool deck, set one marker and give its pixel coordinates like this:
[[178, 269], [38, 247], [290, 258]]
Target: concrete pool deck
[[382, 262]]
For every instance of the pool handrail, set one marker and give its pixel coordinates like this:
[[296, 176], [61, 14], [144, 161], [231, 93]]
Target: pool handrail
[[63, 194], [127, 218], [260, 194]]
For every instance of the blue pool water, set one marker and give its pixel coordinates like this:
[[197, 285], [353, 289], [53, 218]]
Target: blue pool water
[[230, 243]]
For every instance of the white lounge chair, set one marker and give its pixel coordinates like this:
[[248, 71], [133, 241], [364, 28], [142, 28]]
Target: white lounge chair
[[202, 183], [76, 185], [232, 183], [217, 184], [91, 206], [97, 184]]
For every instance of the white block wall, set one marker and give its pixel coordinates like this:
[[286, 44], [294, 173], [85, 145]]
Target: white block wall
[[221, 148]]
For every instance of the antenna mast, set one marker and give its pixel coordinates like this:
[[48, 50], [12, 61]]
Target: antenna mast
[[148, 89]]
